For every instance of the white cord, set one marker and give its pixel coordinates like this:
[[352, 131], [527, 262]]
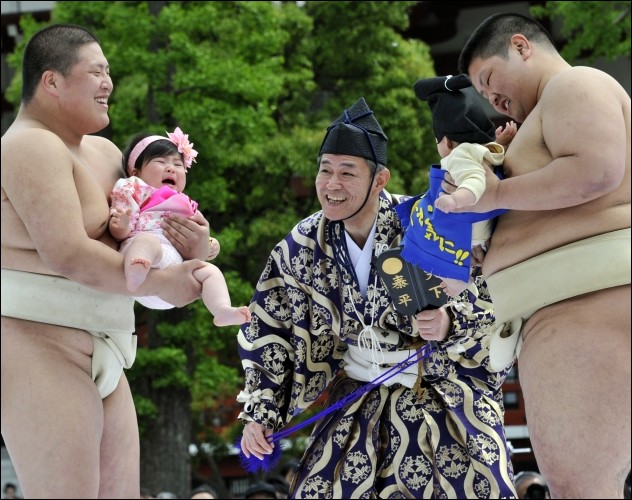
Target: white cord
[[367, 339]]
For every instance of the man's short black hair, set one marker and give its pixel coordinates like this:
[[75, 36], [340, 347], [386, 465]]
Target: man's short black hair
[[492, 37]]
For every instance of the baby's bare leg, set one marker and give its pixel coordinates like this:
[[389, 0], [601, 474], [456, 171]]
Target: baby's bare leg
[[216, 298], [142, 253]]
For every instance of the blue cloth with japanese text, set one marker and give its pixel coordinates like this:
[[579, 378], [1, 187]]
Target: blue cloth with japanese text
[[437, 242]]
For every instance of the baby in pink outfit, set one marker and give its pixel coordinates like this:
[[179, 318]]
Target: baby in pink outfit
[[157, 167]]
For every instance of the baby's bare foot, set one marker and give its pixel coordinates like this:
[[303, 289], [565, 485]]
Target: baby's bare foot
[[136, 272], [232, 316]]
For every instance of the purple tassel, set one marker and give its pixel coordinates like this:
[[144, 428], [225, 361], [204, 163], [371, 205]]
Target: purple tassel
[[254, 465]]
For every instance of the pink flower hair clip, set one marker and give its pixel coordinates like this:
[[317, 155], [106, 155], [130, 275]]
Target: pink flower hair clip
[[181, 140]]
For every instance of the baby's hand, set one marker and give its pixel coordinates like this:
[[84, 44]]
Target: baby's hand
[[120, 220], [445, 203], [505, 135]]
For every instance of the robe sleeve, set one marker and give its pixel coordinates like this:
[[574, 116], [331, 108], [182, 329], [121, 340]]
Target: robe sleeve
[[467, 345], [472, 310], [287, 361]]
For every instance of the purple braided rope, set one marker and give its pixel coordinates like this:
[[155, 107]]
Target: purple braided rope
[[268, 463]]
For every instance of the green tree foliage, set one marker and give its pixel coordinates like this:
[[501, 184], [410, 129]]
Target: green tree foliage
[[255, 85], [591, 29]]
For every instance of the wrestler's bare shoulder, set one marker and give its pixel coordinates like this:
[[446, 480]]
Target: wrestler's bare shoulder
[[18, 141], [104, 147], [580, 77]]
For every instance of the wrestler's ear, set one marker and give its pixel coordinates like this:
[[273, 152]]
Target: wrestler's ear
[[50, 80], [522, 45]]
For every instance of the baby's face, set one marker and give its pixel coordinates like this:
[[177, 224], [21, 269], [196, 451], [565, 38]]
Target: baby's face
[[165, 171]]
